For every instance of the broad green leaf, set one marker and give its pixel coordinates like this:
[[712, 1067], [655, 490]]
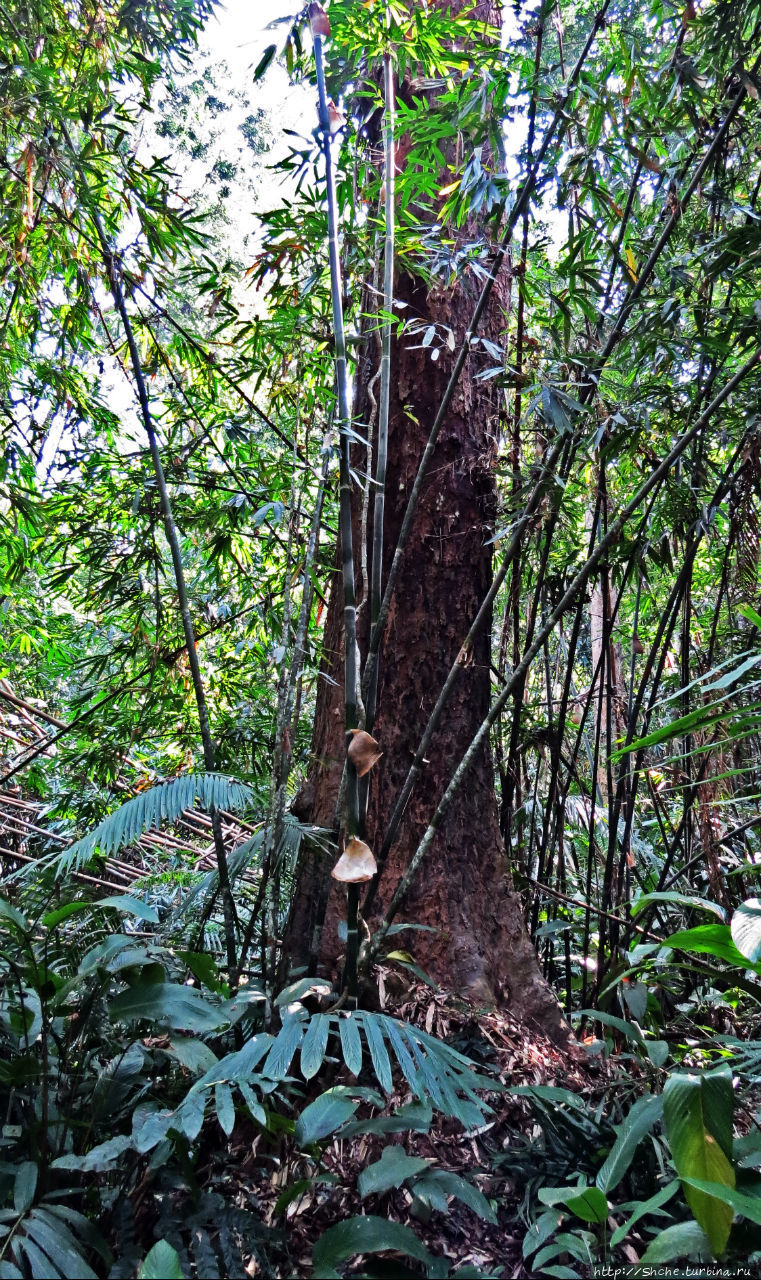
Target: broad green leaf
[[392, 1170], [365, 1235], [749, 1206], [192, 1054], [635, 997], [54, 1237], [7, 912], [304, 987], [746, 929], [588, 1203], [657, 1051], [62, 913], [540, 1230], [40, 1265], [750, 614], [98, 1159], [179, 1007], [696, 1127], [322, 1117], [162, 1263], [414, 1117], [680, 900], [639, 1121], [131, 906], [708, 939], [683, 1240]]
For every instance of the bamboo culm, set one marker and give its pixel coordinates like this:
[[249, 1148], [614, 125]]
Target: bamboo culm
[[351, 666]]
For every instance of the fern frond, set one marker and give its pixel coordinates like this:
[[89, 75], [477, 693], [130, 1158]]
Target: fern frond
[[163, 803]]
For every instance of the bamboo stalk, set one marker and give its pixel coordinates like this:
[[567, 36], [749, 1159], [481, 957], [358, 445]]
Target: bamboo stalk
[[351, 671], [389, 250]]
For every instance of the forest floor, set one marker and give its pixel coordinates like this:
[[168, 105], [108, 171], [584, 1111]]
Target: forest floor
[[512, 1053]]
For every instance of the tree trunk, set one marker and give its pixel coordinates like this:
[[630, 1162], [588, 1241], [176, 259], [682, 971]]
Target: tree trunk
[[464, 890]]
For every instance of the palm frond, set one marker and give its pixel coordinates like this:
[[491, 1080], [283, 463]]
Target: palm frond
[[163, 803]]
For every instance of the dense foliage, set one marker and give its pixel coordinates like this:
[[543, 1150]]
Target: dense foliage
[[174, 422]]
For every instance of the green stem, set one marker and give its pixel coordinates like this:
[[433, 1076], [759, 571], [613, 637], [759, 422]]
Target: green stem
[[351, 709]]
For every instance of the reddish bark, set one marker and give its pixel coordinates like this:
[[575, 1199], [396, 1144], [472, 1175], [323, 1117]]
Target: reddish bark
[[464, 890]]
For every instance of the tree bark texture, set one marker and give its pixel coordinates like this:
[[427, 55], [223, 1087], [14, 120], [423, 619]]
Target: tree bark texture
[[464, 890]]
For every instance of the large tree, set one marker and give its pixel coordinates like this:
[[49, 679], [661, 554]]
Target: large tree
[[464, 890]]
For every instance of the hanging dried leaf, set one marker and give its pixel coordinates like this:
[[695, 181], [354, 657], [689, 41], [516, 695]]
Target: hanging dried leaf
[[335, 116], [319, 23], [356, 864], [363, 752]]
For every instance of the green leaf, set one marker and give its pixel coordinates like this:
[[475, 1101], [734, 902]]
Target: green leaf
[[54, 1237], [748, 1206], [365, 1235], [639, 1121], [683, 1240], [393, 1169], [453, 1185], [192, 1054], [378, 1052], [314, 1044], [322, 1117], [223, 1101], [7, 912], [179, 1007], [746, 929], [657, 1051], [351, 1044], [643, 1208], [619, 1024], [698, 1127], [162, 1263], [409, 1071], [635, 997], [40, 1264], [24, 1186], [414, 1117], [680, 900], [98, 1159], [286, 1043], [130, 906], [264, 61], [588, 1203], [163, 803], [62, 913], [709, 939], [750, 614], [304, 987]]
